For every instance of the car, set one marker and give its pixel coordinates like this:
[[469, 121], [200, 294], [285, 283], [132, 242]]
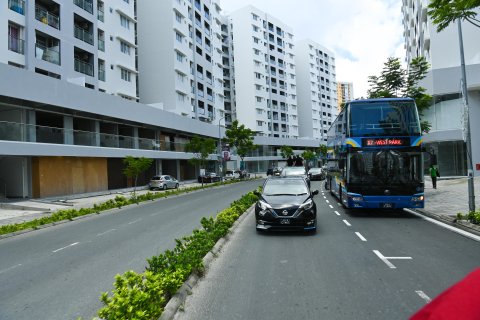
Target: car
[[163, 182], [274, 171], [296, 171], [232, 174], [244, 174], [316, 174], [209, 177], [286, 203]]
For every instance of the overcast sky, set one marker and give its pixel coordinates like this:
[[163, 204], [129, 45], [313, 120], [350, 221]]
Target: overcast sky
[[361, 33]]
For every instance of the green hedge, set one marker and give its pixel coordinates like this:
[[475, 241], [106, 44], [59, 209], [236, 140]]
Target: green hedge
[[144, 295], [118, 202], [473, 217]]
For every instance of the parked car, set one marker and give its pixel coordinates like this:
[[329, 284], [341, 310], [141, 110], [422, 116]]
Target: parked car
[[163, 182], [316, 174], [274, 171], [232, 174], [209, 177], [286, 203], [296, 171], [244, 174]]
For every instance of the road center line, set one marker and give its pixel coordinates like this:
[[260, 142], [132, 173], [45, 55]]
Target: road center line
[[101, 234], [327, 201], [11, 268], [135, 221], [337, 213], [70, 245], [347, 223], [423, 296], [330, 206], [360, 236], [324, 197], [384, 259]]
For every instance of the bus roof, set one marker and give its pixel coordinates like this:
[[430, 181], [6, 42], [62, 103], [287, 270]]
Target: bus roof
[[380, 100]]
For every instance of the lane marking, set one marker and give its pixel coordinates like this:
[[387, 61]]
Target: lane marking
[[70, 245], [135, 221], [11, 268], [101, 234], [446, 226], [423, 296], [324, 197], [388, 263], [330, 206], [327, 201], [337, 213], [339, 203], [360, 236], [347, 223]]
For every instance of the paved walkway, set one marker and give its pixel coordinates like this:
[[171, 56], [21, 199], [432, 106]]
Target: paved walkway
[[450, 198]]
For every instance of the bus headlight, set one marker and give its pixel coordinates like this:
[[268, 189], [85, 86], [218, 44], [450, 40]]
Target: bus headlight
[[417, 199]]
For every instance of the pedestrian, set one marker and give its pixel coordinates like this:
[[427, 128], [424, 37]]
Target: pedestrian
[[434, 174]]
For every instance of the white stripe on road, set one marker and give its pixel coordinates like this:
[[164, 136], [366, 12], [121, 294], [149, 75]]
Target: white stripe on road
[[70, 245], [360, 236], [135, 221], [330, 206], [101, 234], [347, 223], [339, 203], [324, 197], [337, 213], [12, 267], [327, 201], [388, 263], [423, 296], [446, 226]]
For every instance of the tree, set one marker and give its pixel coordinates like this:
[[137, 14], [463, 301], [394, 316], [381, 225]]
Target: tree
[[286, 151], [133, 167], [308, 155], [394, 82], [241, 138], [322, 151], [201, 149], [444, 12]]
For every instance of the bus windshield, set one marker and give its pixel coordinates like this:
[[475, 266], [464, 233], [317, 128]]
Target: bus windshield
[[384, 118]]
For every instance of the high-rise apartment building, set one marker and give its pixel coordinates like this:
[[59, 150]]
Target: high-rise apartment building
[[316, 88], [344, 92], [263, 92], [445, 142], [180, 57], [87, 42]]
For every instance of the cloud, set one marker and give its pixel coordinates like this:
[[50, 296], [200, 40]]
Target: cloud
[[361, 33]]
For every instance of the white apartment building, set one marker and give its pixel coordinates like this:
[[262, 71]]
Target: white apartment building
[[263, 93], [86, 42], [180, 57], [445, 142], [316, 89], [344, 92]]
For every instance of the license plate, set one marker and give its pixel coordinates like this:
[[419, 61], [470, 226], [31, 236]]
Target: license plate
[[387, 205], [285, 221]]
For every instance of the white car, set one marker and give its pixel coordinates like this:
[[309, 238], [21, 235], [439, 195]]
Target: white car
[[232, 174], [163, 182]]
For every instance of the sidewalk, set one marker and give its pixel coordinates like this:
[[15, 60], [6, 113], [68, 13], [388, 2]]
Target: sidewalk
[[443, 203]]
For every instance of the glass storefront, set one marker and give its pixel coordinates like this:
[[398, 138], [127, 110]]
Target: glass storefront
[[449, 156]]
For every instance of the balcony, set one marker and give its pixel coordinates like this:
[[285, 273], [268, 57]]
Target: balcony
[[17, 6], [83, 35], [85, 5], [83, 67], [16, 45], [41, 14], [50, 54]]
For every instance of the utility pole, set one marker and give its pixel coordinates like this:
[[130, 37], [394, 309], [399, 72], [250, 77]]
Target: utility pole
[[471, 191], [220, 159]]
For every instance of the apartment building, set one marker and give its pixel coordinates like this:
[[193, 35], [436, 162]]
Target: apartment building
[[86, 42], [316, 89], [446, 141], [180, 57], [263, 94], [344, 92]]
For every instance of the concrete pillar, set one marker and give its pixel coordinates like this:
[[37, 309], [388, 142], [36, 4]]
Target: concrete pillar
[[68, 130]]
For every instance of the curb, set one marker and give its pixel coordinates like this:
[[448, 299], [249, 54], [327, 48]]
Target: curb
[[452, 221], [179, 298]]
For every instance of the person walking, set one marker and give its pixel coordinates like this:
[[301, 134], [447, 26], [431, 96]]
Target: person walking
[[434, 174]]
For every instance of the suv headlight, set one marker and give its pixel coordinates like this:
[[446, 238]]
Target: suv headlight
[[263, 205], [307, 205]]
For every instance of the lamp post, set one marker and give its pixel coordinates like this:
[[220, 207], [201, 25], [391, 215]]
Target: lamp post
[[220, 146], [471, 191]]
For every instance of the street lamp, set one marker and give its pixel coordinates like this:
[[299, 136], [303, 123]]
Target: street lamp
[[220, 145]]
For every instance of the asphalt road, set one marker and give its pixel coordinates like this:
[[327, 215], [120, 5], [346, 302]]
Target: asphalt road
[[359, 265], [59, 272]]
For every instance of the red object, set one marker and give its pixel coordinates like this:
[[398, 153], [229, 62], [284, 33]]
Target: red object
[[460, 301], [477, 166]]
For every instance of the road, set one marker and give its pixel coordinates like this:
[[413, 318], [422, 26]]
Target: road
[[59, 272], [359, 265]]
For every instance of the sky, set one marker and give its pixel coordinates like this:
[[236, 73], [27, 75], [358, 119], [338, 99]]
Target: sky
[[361, 33]]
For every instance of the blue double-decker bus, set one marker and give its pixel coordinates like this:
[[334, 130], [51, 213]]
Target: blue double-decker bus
[[375, 155]]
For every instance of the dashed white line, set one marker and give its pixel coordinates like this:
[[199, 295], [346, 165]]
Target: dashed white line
[[135, 221], [101, 234], [70, 245], [327, 201], [324, 197], [338, 203], [11, 268], [360, 236], [423, 296], [347, 223], [330, 206], [337, 213], [388, 263]]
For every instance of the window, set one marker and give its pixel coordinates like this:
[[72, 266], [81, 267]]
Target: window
[[179, 37], [124, 47], [178, 17], [179, 57], [126, 75], [127, 1], [259, 123], [180, 97], [124, 22]]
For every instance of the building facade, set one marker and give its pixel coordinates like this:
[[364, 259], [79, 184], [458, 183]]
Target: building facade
[[445, 143], [344, 92], [316, 89]]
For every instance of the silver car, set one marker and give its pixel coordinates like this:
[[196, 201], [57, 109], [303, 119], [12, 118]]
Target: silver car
[[163, 182]]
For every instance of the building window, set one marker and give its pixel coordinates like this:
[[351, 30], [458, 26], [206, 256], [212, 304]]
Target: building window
[[179, 57], [178, 17], [124, 47], [124, 22], [179, 37], [127, 1], [259, 123], [126, 75]]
